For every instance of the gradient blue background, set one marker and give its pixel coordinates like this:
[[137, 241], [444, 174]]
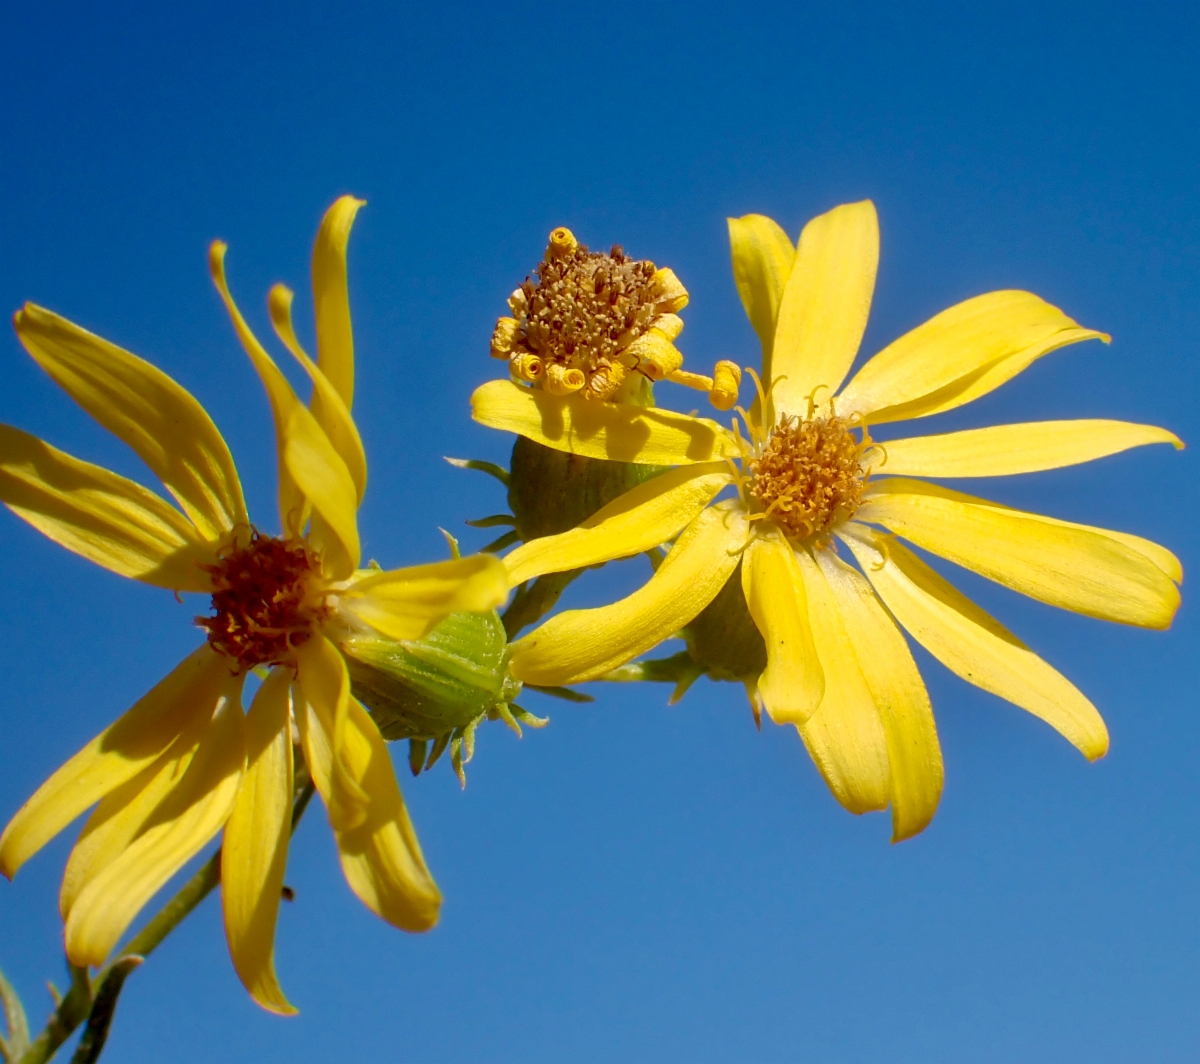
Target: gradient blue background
[[635, 883]]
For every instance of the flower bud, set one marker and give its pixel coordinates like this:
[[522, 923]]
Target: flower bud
[[504, 336]]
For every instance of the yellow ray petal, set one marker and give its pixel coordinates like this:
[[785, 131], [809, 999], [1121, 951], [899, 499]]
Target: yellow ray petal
[[959, 355], [762, 260], [579, 645], [310, 470], [845, 736], [792, 684], [122, 813], [971, 643], [184, 822], [322, 679], [914, 753], [327, 406], [159, 419], [254, 848], [407, 603], [118, 754], [1069, 566], [107, 519], [1004, 450], [331, 299], [619, 431], [380, 855], [825, 306], [642, 518]]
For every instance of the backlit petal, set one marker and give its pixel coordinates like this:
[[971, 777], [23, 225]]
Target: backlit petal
[[971, 643], [122, 813], [407, 603], [1064, 565], [310, 470], [825, 306], [185, 821], [959, 355], [792, 684], [579, 645], [1004, 450], [118, 754], [762, 260], [380, 855], [914, 753], [254, 848], [641, 518], [159, 419], [845, 736], [331, 299], [107, 519], [619, 431], [327, 406]]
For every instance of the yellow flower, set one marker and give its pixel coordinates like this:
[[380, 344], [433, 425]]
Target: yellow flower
[[185, 762], [600, 325], [837, 665]]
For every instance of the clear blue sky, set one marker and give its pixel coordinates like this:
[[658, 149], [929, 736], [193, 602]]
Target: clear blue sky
[[636, 883]]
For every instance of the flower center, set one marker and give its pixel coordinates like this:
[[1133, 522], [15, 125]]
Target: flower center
[[809, 477], [581, 312], [267, 596]]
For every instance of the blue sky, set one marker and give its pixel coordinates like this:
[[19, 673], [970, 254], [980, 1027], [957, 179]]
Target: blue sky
[[636, 882]]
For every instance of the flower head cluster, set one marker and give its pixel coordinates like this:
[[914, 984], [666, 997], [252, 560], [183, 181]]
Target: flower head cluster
[[836, 663], [185, 763]]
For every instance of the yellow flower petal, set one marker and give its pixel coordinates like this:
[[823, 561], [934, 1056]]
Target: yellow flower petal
[[123, 812], [310, 470], [914, 753], [959, 355], [1076, 568], [107, 519], [642, 518], [619, 431], [971, 643], [322, 679], [380, 855], [845, 736], [159, 419], [407, 603], [579, 645], [254, 848], [1004, 450], [118, 754], [792, 684], [825, 306], [762, 260], [327, 406], [185, 821], [331, 299]]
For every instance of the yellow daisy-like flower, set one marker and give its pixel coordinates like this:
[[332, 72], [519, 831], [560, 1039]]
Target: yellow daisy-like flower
[[185, 762], [838, 666], [600, 325]]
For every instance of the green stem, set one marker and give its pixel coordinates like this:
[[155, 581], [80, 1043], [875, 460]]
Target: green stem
[[81, 1001]]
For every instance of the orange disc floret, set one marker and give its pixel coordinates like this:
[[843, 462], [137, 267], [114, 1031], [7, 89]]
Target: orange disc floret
[[266, 599]]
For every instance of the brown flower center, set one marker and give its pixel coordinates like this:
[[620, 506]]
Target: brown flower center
[[266, 599], [809, 477]]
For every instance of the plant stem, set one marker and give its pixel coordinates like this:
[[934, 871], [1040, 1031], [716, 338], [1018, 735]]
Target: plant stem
[[79, 1003]]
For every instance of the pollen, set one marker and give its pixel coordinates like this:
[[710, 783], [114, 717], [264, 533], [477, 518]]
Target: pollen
[[809, 478], [266, 600], [579, 315]]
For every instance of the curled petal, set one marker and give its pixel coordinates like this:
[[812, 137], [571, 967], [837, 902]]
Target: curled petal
[[99, 515], [192, 691], [163, 423]]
